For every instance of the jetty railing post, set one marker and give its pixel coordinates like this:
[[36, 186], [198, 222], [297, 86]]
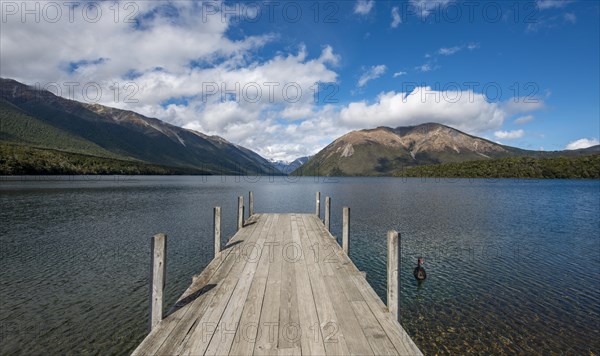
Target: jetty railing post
[[159, 262], [346, 230], [393, 273], [217, 229], [318, 205], [240, 220], [328, 213], [250, 203]]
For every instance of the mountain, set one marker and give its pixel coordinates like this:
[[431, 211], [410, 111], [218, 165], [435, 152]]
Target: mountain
[[42, 120], [289, 167], [387, 151]]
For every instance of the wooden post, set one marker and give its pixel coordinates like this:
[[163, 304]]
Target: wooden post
[[250, 204], [217, 229], [318, 203], [240, 222], [393, 273], [328, 213], [346, 230], [159, 262]]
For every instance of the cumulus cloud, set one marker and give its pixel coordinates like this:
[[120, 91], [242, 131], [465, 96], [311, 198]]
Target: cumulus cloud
[[582, 143], [465, 110], [509, 135], [396, 19], [363, 7], [29, 50], [398, 74], [206, 82], [373, 72], [523, 119]]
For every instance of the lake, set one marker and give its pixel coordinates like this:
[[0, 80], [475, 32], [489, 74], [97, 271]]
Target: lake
[[513, 266]]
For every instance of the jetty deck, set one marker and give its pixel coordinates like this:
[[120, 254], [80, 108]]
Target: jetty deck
[[281, 286]]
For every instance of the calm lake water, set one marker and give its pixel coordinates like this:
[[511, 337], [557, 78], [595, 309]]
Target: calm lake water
[[513, 265]]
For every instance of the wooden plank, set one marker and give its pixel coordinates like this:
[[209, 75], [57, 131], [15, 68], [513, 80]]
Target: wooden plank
[[338, 262], [401, 341], [228, 324], [348, 323], [289, 324], [217, 229], [324, 253], [266, 344], [312, 339], [397, 335], [376, 336], [240, 216], [250, 203], [249, 328], [159, 260], [318, 205], [346, 230], [393, 273], [203, 330], [333, 339], [172, 330], [255, 303], [328, 213]]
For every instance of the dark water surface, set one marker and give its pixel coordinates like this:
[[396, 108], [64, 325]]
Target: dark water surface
[[513, 265]]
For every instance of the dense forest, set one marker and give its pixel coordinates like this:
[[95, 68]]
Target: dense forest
[[25, 160], [584, 167]]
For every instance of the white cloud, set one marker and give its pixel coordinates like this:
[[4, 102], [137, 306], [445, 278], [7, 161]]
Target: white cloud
[[509, 135], [524, 119], [156, 57], [447, 51], [570, 17], [398, 74], [582, 143], [552, 4], [373, 72], [396, 19], [426, 7], [28, 51], [464, 110], [363, 7], [426, 67]]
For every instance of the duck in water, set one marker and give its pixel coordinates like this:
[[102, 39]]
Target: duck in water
[[419, 272]]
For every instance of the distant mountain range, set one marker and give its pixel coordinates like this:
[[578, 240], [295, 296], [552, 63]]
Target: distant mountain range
[[40, 120], [289, 167], [41, 133], [388, 151]]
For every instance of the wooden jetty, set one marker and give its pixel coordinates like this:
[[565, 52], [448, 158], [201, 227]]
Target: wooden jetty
[[281, 286]]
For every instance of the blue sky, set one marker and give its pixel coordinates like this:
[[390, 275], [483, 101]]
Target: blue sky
[[524, 74]]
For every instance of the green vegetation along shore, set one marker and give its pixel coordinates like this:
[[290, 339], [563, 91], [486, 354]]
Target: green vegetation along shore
[[27, 160], [584, 167]]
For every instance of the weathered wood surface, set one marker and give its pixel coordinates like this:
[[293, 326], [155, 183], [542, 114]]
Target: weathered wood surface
[[393, 269], [327, 220], [159, 261], [281, 286]]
